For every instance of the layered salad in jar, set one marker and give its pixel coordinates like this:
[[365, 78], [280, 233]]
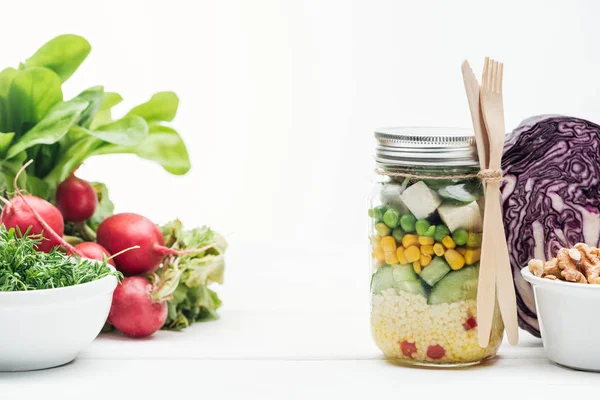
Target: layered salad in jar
[[426, 245]]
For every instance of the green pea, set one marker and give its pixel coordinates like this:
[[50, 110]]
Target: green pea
[[377, 212], [421, 226], [398, 234], [382, 229], [441, 231], [474, 240], [391, 218], [430, 231], [407, 222], [460, 237]]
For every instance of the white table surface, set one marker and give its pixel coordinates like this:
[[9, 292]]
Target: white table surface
[[285, 338]]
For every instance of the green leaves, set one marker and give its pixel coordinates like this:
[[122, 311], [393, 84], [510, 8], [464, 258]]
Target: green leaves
[[6, 77], [5, 140], [103, 116], [184, 280], [128, 131], [52, 127], [22, 267], [95, 97], [163, 145], [33, 92], [105, 206], [63, 55], [161, 107], [35, 122]]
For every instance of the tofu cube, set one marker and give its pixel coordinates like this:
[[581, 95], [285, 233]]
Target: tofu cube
[[390, 196], [420, 200], [466, 216]]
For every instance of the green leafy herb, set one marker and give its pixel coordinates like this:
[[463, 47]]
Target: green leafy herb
[[185, 280], [33, 92], [24, 268], [63, 55], [36, 123], [161, 107]]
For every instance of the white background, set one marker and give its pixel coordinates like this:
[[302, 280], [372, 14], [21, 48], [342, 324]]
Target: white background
[[278, 103]]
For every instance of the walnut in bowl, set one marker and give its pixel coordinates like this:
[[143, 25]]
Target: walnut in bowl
[[580, 264]]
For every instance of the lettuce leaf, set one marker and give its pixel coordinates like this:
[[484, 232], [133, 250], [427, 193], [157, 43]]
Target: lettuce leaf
[[184, 280]]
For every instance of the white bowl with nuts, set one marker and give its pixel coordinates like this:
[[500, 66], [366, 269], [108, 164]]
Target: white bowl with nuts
[[567, 298]]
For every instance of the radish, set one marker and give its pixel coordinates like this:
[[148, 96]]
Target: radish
[[94, 251], [134, 311], [76, 199], [16, 213], [121, 231], [43, 218]]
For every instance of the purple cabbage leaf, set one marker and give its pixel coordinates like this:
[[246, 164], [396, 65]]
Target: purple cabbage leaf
[[550, 195]]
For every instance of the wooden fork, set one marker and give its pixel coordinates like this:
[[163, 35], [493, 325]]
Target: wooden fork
[[494, 251]]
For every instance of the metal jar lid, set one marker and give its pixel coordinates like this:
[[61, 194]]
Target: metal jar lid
[[428, 146]]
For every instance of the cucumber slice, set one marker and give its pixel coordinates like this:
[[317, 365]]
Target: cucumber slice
[[436, 270], [411, 287], [382, 279], [456, 286], [462, 193], [404, 272]]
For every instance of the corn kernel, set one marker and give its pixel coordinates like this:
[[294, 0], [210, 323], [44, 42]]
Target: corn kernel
[[377, 238], [417, 267], [424, 260], [428, 249], [461, 250], [472, 256], [388, 243], [426, 240], [400, 254], [379, 254], [454, 259], [390, 257], [439, 249], [412, 254], [410, 240], [448, 242]]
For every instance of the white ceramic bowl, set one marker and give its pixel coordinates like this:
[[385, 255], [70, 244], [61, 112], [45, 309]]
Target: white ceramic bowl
[[569, 321], [46, 328]]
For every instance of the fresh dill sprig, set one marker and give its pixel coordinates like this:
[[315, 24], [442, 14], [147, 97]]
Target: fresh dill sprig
[[24, 268]]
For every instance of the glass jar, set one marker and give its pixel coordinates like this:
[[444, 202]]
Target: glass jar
[[426, 222]]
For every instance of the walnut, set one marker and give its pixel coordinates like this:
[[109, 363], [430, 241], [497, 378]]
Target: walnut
[[569, 268], [589, 264], [574, 254], [579, 264], [536, 267], [551, 267]]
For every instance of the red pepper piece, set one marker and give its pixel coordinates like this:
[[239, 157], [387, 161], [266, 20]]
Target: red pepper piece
[[408, 348], [470, 324], [436, 352]]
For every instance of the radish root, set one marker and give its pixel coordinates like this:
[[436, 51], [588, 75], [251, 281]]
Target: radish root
[[39, 218], [123, 251]]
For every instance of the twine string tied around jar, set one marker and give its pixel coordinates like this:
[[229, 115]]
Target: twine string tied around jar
[[485, 175]]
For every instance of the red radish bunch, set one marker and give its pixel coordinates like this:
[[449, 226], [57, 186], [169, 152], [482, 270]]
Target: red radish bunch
[[76, 199], [94, 251], [136, 242], [121, 231], [43, 218], [134, 311]]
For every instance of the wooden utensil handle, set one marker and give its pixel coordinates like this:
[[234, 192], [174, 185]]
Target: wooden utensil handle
[[505, 287], [486, 293]]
